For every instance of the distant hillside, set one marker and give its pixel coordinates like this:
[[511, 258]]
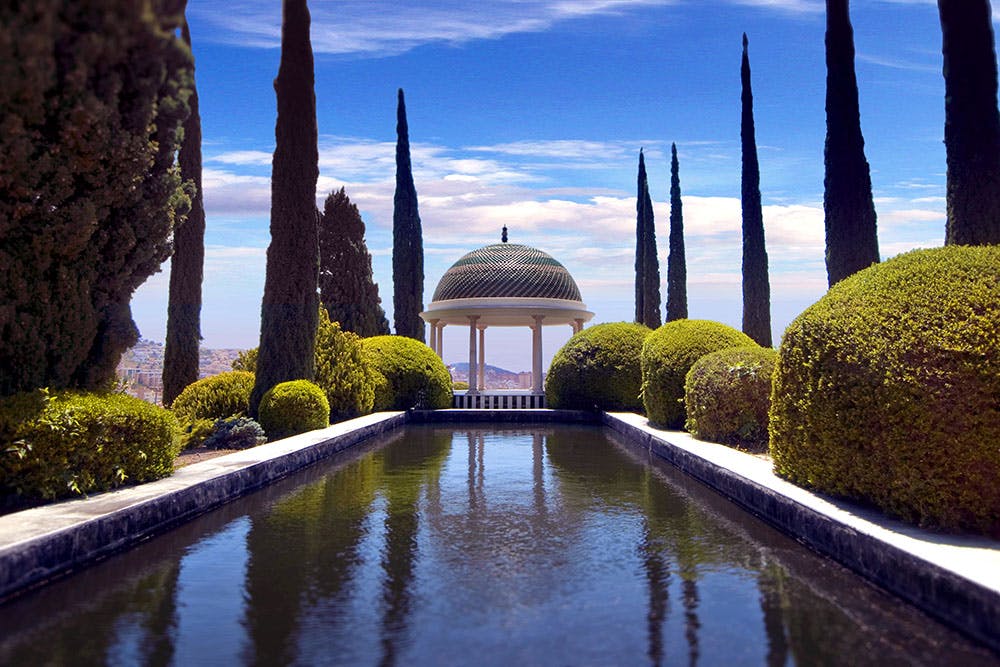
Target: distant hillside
[[495, 377]]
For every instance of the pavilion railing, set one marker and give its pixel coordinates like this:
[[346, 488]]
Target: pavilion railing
[[487, 400]]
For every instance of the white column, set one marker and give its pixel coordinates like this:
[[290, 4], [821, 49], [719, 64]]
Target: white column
[[536, 354], [482, 359], [435, 346], [579, 324], [473, 373], [440, 349]]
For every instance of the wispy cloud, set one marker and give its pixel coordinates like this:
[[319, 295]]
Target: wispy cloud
[[898, 63]]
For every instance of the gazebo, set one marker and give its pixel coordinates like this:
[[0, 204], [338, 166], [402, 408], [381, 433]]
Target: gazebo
[[504, 285]]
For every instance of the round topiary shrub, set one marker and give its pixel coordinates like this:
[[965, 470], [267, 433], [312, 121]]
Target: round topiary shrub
[[343, 371], [216, 397], [667, 356], [727, 395], [293, 407], [408, 374], [887, 390], [598, 369], [68, 443]]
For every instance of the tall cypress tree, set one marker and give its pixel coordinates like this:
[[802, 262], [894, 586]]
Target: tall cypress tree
[[289, 310], [407, 241], [756, 288], [647, 265], [677, 308], [92, 102], [851, 234], [971, 122], [180, 357], [346, 288]]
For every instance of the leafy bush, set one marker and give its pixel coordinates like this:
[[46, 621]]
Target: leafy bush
[[727, 395], [460, 385], [342, 371], [667, 356], [246, 360], [598, 368], [235, 433], [408, 374], [216, 397], [194, 434], [67, 443], [293, 407], [887, 390]]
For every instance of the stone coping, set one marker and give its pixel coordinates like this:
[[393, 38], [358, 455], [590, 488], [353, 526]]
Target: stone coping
[[954, 578]]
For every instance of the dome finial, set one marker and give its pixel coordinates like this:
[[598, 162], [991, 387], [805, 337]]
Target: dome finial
[[503, 235]]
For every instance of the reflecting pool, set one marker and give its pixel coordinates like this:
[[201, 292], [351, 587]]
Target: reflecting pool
[[553, 545]]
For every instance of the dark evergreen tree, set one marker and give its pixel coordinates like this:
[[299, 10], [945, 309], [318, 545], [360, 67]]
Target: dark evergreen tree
[[756, 288], [851, 234], [407, 240], [180, 356], [647, 265], [971, 122], [92, 102], [290, 308], [677, 305], [346, 288]]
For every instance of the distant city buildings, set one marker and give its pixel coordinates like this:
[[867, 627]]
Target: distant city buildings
[[141, 368]]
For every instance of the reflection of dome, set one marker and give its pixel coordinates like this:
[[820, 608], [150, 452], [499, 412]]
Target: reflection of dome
[[507, 270]]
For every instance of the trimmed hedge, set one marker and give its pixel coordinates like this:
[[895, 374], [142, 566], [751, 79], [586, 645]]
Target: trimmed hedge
[[293, 407], [887, 390], [408, 374], [598, 369], [68, 443], [667, 356], [217, 397], [342, 371], [727, 395]]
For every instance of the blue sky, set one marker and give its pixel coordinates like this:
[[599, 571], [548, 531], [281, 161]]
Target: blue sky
[[531, 113]]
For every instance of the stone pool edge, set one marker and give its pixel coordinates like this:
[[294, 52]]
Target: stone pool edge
[[954, 579]]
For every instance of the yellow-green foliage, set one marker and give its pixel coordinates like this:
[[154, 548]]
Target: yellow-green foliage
[[342, 371], [598, 368], [667, 356], [246, 360], [887, 389], [408, 374], [293, 407], [727, 395], [216, 397], [66, 443]]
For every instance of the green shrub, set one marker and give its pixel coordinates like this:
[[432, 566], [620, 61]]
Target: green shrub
[[194, 434], [887, 390], [343, 371], [667, 356], [727, 395], [216, 397], [408, 374], [246, 360], [235, 433], [67, 443], [460, 385], [598, 369], [293, 407]]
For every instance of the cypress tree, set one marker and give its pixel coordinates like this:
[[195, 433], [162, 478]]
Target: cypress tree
[[647, 266], [851, 234], [290, 307], [180, 357], [677, 308], [92, 102], [346, 288], [971, 122], [407, 242], [756, 288]]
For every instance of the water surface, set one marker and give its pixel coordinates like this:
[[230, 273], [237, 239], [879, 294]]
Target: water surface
[[485, 546]]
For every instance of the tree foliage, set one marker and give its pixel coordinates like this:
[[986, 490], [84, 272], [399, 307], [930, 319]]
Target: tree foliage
[[756, 287], [677, 307], [291, 303], [851, 234], [180, 357], [971, 122], [91, 107], [346, 287], [407, 242], [647, 265]]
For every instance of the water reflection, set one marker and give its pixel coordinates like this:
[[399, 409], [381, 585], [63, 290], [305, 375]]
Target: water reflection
[[490, 546]]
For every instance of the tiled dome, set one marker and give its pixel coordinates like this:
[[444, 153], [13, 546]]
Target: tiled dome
[[507, 270]]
